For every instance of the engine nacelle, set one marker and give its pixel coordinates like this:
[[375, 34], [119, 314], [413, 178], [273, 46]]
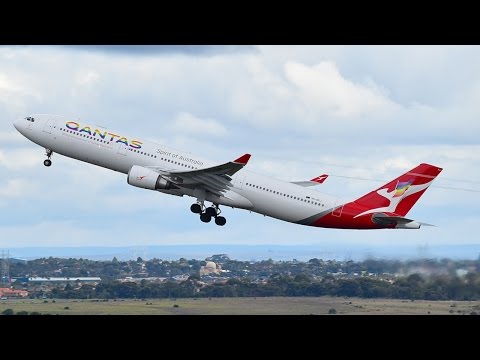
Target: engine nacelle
[[144, 178]]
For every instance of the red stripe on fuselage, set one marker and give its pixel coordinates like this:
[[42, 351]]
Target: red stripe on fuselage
[[344, 218]]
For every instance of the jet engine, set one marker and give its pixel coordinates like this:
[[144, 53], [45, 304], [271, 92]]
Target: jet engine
[[142, 177]]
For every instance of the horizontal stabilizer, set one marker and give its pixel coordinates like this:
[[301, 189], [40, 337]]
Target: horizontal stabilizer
[[320, 179], [315, 181], [395, 221]]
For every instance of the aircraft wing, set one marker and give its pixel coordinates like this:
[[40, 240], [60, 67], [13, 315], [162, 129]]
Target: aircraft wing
[[315, 181], [215, 179]]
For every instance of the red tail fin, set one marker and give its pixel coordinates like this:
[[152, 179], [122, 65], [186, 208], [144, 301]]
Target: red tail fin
[[399, 195]]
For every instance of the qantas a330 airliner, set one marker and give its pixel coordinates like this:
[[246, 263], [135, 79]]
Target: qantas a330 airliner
[[157, 167]]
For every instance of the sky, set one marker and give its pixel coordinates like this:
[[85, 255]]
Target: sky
[[354, 112]]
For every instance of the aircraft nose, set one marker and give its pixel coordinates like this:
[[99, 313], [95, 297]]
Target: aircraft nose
[[16, 123]]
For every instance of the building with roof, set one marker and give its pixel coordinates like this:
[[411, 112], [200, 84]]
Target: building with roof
[[11, 293], [210, 268], [47, 280]]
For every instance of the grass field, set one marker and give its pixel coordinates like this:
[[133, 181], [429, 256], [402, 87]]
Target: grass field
[[254, 306]]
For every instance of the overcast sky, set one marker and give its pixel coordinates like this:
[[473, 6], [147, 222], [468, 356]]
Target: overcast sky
[[301, 111]]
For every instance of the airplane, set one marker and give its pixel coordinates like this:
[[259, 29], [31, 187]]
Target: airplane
[[156, 167]]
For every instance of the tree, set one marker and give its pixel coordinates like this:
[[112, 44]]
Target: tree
[[349, 288], [302, 278], [415, 282], [68, 287], [126, 290], [194, 277], [8, 312]]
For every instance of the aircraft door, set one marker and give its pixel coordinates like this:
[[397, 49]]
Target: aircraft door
[[337, 209], [49, 125], [122, 149], [240, 181]]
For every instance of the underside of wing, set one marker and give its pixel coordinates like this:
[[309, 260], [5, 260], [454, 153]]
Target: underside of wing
[[216, 179]]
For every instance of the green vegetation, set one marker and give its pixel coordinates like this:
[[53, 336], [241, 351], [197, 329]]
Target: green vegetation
[[411, 287], [416, 279], [115, 269]]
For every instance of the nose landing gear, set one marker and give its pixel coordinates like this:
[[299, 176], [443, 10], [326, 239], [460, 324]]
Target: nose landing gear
[[49, 154]]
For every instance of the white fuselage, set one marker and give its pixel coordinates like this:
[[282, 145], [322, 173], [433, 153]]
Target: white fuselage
[[119, 152]]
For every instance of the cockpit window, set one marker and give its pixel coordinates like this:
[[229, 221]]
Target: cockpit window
[[29, 118]]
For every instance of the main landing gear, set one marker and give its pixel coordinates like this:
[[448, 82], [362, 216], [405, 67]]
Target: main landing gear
[[49, 154], [206, 214]]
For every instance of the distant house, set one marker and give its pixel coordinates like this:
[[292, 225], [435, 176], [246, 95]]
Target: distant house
[[182, 277], [47, 280], [10, 293]]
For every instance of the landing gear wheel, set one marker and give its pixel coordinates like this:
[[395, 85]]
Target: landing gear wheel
[[211, 211], [220, 220], [49, 154], [205, 218], [196, 208]]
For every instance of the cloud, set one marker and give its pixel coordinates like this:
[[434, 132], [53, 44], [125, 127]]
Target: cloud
[[21, 159], [152, 50], [324, 90], [14, 93], [11, 137], [87, 78], [14, 188], [309, 99], [190, 124]]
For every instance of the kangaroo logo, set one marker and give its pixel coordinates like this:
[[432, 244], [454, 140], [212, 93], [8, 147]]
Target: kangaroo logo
[[402, 190]]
